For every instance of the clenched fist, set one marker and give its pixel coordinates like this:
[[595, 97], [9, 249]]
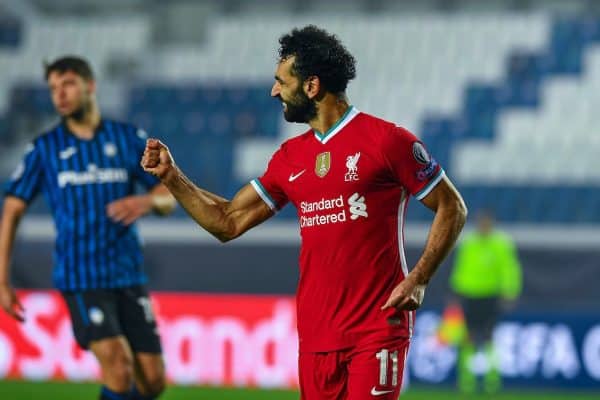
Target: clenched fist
[[157, 159]]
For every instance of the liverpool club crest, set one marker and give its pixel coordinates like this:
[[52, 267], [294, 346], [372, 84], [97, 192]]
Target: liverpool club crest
[[323, 164], [352, 165]]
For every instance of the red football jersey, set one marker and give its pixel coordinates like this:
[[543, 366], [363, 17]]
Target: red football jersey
[[350, 186]]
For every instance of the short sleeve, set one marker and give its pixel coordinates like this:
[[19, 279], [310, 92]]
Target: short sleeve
[[139, 145], [26, 180], [410, 162], [268, 186]]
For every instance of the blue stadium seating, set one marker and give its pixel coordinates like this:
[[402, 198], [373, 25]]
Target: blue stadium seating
[[11, 31], [521, 89], [31, 99], [202, 123]]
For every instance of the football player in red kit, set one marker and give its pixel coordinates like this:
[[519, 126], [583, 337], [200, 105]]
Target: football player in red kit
[[350, 177]]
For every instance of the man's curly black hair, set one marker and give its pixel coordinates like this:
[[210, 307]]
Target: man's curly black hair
[[318, 53]]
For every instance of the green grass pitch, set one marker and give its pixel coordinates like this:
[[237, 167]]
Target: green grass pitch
[[20, 390]]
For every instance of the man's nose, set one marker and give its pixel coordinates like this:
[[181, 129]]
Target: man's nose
[[275, 90]]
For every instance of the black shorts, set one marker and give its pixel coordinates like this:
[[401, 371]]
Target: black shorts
[[103, 313], [481, 316]]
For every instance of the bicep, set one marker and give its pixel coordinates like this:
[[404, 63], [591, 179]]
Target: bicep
[[14, 205], [248, 209], [12, 211], [444, 194]]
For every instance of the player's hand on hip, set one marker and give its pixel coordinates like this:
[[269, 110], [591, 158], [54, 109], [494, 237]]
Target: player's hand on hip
[[157, 159], [10, 303], [408, 295], [128, 209]]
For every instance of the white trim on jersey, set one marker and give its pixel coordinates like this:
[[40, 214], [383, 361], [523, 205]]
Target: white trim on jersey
[[427, 189], [338, 126], [264, 195], [401, 210]]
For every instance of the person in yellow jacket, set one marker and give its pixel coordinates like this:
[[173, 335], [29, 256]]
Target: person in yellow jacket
[[487, 280]]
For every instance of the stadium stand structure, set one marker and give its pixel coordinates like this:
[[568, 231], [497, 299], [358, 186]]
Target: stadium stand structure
[[202, 124], [10, 31], [525, 146], [488, 95]]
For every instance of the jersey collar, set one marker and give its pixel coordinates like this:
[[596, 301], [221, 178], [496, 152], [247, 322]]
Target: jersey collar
[[348, 116], [97, 130]]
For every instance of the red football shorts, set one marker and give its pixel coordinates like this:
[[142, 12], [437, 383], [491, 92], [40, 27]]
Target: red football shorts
[[367, 373]]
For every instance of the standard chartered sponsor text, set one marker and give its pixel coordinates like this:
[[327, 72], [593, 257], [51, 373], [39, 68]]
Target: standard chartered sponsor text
[[318, 219], [323, 204], [335, 203], [356, 203]]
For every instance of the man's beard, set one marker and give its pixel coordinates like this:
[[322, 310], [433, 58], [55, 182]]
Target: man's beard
[[300, 108], [77, 115], [80, 113]]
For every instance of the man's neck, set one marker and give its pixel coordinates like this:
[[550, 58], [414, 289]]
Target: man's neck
[[330, 110], [86, 127]]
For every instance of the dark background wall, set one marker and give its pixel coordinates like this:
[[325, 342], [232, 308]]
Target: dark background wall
[[554, 279]]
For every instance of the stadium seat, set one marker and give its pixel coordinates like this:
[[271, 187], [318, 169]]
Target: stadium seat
[[11, 32]]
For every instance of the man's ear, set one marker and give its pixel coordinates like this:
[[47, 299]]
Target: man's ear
[[312, 86], [91, 84]]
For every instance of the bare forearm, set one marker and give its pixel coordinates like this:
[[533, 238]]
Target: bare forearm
[[224, 219], [444, 232], [8, 229], [206, 208]]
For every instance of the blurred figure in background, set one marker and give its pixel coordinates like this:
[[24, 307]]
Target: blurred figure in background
[[87, 168], [487, 280]]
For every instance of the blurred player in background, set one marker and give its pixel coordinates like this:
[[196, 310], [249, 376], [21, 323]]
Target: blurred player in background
[[487, 278], [87, 168], [349, 177]]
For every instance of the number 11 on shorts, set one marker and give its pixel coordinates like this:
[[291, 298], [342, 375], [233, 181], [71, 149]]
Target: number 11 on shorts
[[383, 357]]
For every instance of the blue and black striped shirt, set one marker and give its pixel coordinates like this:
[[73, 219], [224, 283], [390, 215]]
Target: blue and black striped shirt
[[79, 178]]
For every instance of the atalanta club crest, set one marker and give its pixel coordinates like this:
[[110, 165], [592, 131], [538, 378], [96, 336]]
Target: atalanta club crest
[[110, 149], [323, 163]]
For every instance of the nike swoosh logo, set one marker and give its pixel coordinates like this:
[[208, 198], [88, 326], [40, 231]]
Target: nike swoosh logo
[[293, 177], [375, 392]]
